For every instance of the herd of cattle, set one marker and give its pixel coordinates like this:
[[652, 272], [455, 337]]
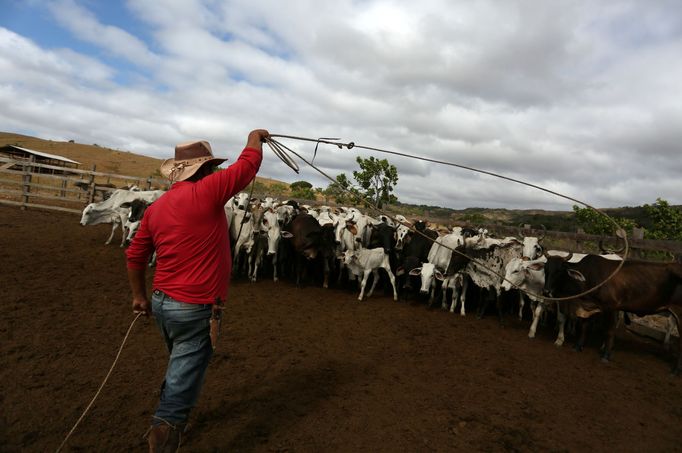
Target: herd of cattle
[[300, 242]]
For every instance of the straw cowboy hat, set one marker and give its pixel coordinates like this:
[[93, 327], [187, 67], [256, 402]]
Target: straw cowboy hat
[[189, 157]]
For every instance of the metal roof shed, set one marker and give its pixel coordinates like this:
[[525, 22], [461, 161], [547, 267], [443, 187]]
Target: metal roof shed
[[19, 153]]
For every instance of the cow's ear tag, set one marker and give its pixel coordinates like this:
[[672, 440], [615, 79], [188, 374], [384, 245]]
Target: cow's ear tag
[[576, 275]]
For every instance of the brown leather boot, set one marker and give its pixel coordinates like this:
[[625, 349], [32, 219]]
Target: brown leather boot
[[163, 439]]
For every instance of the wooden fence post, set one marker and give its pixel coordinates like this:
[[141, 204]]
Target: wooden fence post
[[638, 233], [577, 238], [91, 185], [27, 182], [62, 192]]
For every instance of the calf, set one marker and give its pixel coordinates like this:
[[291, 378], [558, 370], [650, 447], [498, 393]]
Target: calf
[[368, 261], [137, 208]]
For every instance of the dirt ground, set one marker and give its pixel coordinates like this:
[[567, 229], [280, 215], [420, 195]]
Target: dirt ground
[[304, 370]]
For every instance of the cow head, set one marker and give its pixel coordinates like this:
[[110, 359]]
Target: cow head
[[382, 235], [350, 257], [519, 271], [428, 272], [241, 201], [400, 235], [531, 244], [270, 224], [557, 273], [85, 218]]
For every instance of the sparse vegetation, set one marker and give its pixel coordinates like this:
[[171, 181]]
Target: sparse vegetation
[[659, 220]]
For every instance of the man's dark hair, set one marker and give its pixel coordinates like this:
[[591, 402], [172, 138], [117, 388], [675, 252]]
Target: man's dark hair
[[202, 172]]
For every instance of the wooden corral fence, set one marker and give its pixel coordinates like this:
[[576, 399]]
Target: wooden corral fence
[[22, 182], [26, 183], [589, 243]]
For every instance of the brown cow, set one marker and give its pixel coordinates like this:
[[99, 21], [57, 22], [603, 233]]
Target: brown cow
[[641, 287], [311, 241]]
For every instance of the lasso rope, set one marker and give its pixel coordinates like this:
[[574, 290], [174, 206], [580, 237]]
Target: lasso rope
[[283, 152], [101, 386]]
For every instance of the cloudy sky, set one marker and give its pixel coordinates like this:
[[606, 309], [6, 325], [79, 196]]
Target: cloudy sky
[[581, 97]]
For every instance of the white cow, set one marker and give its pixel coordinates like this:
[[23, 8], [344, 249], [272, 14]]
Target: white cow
[[241, 232], [368, 261], [326, 216], [361, 222], [532, 248], [241, 201], [270, 225], [269, 203], [110, 210], [529, 276]]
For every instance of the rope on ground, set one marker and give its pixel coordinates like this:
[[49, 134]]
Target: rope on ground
[[101, 386], [283, 152]]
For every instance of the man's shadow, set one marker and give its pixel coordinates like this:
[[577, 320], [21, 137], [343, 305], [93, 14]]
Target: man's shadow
[[274, 405]]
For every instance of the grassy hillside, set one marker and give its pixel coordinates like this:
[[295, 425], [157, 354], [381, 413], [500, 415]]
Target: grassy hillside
[[128, 163], [107, 160]]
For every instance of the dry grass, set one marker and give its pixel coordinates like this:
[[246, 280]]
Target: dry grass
[[105, 159]]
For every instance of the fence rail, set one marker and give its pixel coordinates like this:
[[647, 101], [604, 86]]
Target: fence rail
[[649, 245], [24, 189], [24, 180]]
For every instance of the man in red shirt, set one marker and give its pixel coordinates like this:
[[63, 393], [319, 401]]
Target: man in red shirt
[[188, 229]]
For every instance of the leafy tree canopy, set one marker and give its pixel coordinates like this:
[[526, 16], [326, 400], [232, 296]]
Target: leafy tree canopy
[[592, 222], [663, 221], [301, 185], [376, 178], [667, 221], [340, 189]]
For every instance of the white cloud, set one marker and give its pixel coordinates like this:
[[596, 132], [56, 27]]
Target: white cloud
[[85, 25], [579, 97]]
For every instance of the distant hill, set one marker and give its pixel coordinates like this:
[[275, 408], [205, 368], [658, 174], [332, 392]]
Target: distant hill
[[107, 160], [128, 163]]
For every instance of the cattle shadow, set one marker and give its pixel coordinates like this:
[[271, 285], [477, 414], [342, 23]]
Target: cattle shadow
[[274, 405]]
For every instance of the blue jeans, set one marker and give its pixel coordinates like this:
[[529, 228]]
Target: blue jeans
[[185, 329]]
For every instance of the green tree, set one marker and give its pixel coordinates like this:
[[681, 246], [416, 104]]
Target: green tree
[[300, 185], [595, 223], [377, 178], [667, 221], [302, 189], [342, 191]]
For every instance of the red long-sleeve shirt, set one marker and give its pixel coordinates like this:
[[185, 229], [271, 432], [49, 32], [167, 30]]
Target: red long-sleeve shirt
[[188, 229]]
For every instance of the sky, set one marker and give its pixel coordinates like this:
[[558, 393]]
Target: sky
[[582, 98]]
